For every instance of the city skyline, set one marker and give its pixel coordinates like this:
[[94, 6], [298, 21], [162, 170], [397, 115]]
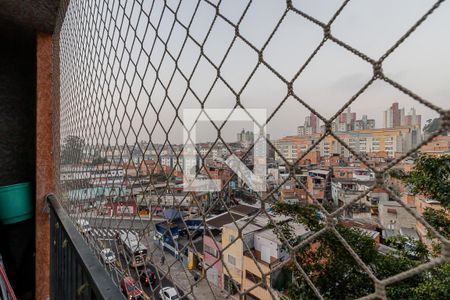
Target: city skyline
[[229, 132], [332, 77]]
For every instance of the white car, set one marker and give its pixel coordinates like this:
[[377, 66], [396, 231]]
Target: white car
[[168, 293], [108, 256], [84, 226]]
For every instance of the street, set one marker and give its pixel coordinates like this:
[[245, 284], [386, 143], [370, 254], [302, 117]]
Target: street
[[121, 267]]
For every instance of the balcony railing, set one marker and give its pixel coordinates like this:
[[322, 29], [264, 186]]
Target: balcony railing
[[76, 272]]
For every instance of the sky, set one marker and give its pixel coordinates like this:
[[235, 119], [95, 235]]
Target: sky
[[131, 71]]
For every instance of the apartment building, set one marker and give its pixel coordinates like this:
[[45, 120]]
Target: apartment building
[[211, 257], [266, 254], [212, 241], [438, 146], [394, 217], [329, 146], [356, 173], [233, 255], [344, 191], [291, 147], [316, 183]]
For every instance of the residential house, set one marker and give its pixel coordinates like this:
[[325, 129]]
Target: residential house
[[212, 241], [393, 216], [267, 252]]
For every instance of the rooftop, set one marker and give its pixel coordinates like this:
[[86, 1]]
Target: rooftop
[[243, 209], [269, 234], [223, 219]]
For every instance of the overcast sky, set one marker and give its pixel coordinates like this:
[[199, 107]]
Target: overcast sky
[[421, 63]]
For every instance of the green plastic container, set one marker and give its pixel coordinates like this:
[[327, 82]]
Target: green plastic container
[[15, 203]]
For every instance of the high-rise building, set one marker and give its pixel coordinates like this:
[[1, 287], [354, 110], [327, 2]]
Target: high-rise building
[[413, 119], [245, 137], [392, 116], [395, 117], [314, 122], [311, 126], [402, 117], [301, 130], [346, 121], [364, 123]]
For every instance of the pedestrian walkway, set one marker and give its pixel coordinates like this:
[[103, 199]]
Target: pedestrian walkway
[[182, 277]]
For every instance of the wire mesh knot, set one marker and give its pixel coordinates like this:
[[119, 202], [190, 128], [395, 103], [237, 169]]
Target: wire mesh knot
[[331, 221], [446, 120], [290, 89], [327, 32], [378, 70], [289, 4]]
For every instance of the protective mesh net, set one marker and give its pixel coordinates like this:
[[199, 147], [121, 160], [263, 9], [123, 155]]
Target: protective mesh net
[[128, 69]]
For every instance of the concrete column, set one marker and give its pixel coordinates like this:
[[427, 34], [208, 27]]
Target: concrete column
[[45, 182]]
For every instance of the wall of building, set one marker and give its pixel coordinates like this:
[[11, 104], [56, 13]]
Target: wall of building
[[17, 109], [236, 250], [213, 261], [17, 148], [422, 203], [262, 245], [392, 213], [250, 265]]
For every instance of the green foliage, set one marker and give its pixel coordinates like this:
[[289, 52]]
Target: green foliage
[[408, 247], [436, 286], [332, 269], [431, 177], [72, 150], [306, 214], [98, 160], [335, 272], [398, 173], [432, 125], [439, 220]]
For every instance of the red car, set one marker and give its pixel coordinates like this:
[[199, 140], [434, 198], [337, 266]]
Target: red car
[[148, 278], [131, 289]]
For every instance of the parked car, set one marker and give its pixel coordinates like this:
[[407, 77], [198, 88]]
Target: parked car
[[168, 293], [108, 256], [147, 278], [130, 289], [83, 226]]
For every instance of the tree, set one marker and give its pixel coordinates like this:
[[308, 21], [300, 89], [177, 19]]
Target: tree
[[431, 178], [329, 265], [337, 275], [98, 160], [72, 150], [334, 271], [439, 220], [432, 125]]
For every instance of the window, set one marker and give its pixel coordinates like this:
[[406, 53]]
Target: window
[[392, 211], [231, 238], [231, 260], [253, 278], [211, 250]]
